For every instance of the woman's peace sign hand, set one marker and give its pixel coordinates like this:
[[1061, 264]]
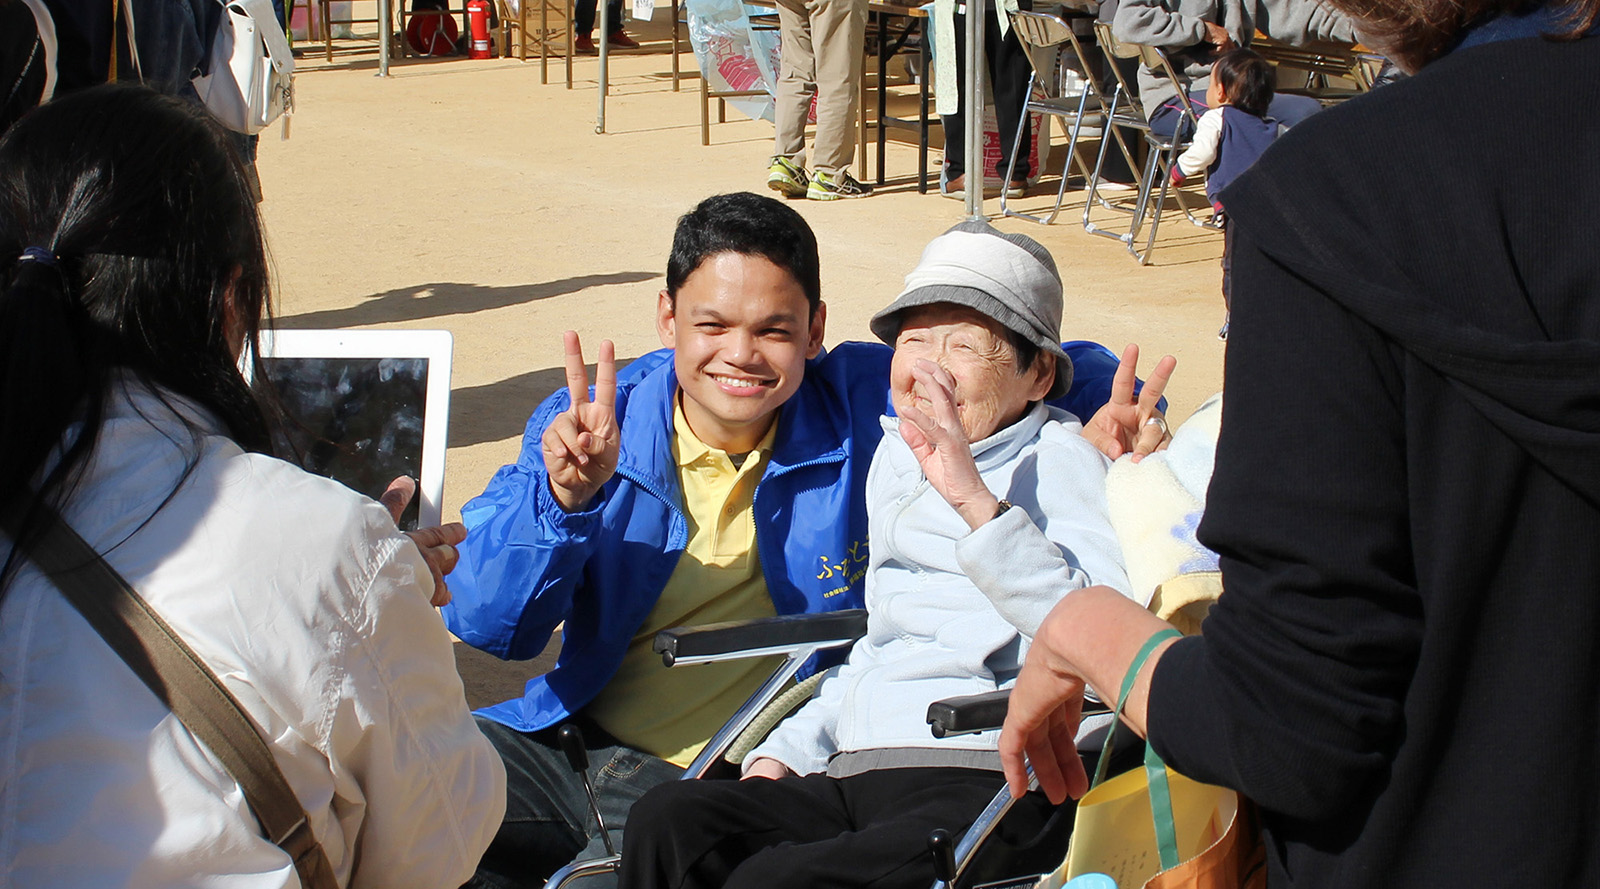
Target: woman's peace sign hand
[[580, 445], [1128, 423]]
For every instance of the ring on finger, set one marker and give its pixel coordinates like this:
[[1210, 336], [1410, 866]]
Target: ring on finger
[[1159, 423]]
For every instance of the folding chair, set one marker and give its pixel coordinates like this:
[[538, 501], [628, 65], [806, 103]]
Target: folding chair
[[1163, 154], [797, 637], [1322, 63], [1056, 88], [519, 20], [1161, 151], [1122, 112]]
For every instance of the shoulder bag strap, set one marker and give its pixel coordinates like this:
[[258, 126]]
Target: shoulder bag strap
[[178, 677]]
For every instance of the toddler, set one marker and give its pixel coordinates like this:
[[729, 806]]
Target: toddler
[[1229, 137]]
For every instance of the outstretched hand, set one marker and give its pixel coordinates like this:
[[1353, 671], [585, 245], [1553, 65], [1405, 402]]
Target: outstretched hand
[[1128, 424], [1041, 726], [438, 545], [940, 445], [581, 445]]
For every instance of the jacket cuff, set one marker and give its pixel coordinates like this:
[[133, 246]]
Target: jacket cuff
[[579, 524]]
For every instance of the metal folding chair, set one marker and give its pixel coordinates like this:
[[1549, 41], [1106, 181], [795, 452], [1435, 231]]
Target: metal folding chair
[[1058, 88], [1163, 154], [1122, 112], [1161, 151]]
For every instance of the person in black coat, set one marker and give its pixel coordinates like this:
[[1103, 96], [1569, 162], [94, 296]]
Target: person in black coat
[[1406, 502]]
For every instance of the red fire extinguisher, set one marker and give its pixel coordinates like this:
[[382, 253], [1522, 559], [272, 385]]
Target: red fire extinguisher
[[478, 22]]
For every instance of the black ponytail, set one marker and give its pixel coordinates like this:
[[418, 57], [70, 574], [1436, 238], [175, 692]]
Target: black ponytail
[[130, 244]]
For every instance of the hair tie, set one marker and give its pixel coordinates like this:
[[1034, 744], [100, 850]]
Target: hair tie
[[38, 254]]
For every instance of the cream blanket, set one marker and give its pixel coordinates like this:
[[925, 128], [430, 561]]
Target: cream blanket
[[1156, 506]]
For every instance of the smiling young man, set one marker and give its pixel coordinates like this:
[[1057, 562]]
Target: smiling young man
[[723, 479]]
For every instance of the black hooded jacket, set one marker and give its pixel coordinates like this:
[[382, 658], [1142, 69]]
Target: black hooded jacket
[[1405, 669]]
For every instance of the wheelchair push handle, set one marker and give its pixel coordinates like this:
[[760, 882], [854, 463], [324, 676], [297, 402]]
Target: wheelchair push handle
[[571, 738], [943, 850], [572, 745]]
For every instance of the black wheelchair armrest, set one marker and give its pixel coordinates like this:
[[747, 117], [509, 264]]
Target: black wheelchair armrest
[[968, 714], [785, 634]]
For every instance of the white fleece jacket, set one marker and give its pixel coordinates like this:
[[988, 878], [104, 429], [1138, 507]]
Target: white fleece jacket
[[950, 611]]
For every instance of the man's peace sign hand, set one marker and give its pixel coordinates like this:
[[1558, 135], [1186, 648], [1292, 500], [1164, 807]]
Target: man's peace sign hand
[[580, 445]]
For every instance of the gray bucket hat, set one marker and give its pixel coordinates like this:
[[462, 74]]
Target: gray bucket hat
[[1010, 278]]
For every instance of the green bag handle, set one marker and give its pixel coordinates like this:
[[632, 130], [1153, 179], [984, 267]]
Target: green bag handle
[[1155, 769]]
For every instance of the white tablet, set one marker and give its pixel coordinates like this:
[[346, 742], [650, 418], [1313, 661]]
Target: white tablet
[[366, 406]]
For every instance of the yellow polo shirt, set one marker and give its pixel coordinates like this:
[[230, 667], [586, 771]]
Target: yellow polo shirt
[[673, 713]]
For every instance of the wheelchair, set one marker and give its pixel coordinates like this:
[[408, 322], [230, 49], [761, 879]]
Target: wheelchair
[[1011, 844]]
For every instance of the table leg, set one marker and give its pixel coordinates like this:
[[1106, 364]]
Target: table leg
[[861, 123], [883, 89], [922, 113]]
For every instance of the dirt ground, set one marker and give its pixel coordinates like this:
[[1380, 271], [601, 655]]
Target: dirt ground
[[465, 195]]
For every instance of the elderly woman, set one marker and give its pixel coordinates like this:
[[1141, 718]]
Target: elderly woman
[[1401, 671], [859, 780]]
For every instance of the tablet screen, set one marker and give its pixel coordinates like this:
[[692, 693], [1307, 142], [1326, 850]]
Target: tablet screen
[[364, 407], [356, 420]]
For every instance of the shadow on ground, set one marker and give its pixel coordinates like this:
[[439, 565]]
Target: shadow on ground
[[489, 680], [500, 410], [422, 301]]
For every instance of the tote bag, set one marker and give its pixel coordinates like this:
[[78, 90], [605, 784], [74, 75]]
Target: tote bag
[[1157, 829]]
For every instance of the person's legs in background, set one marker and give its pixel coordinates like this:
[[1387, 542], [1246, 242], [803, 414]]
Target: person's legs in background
[[838, 35], [797, 83], [1008, 79], [1006, 63], [1227, 275], [583, 15]]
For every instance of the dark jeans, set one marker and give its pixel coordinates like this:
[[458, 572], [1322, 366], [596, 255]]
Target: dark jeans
[[1008, 72], [548, 823], [584, 14], [868, 830]]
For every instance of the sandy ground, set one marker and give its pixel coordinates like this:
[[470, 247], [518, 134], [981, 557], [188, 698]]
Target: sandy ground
[[465, 195]]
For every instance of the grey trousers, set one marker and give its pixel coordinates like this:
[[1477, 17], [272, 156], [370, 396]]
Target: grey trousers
[[823, 42], [548, 823]]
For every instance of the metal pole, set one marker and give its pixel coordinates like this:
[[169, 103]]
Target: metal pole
[[385, 37], [974, 109], [605, 46]]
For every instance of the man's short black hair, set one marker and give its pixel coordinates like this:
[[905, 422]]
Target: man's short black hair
[[752, 225], [1246, 80]]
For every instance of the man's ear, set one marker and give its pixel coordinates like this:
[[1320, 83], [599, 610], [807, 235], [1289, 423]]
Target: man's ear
[[819, 324], [666, 320]]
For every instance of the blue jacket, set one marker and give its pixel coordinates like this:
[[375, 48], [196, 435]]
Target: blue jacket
[[527, 565]]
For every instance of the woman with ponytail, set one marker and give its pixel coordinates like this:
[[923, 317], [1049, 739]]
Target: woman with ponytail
[[133, 275]]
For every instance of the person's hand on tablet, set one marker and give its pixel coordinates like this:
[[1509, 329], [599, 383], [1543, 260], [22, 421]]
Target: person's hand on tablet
[[580, 445], [438, 545]]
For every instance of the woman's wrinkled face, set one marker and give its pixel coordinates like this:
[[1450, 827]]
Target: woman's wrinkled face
[[989, 393]]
